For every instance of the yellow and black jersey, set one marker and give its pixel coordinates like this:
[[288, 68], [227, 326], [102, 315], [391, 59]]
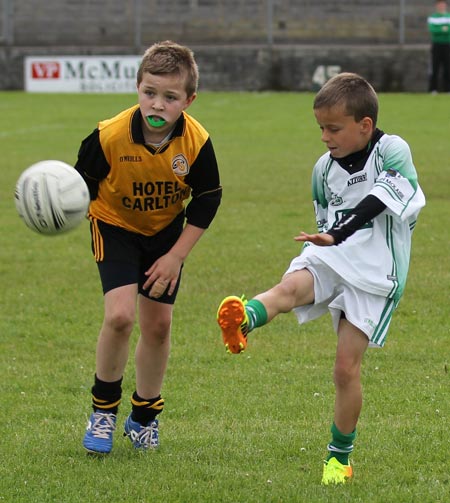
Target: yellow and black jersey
[[141, 188]]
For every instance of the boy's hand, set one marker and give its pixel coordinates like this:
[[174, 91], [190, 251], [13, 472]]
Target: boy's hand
[[162, 275], [320, 239]]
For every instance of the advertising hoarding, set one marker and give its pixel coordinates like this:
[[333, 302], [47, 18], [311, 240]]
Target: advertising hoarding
[[81, 74]]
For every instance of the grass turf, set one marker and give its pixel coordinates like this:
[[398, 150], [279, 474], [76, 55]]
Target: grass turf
[[248, 428]]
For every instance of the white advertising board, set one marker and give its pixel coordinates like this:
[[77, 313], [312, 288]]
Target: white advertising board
[[81, 74]]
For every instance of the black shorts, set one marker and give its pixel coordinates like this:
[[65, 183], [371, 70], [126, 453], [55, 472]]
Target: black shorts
[[123, 257]]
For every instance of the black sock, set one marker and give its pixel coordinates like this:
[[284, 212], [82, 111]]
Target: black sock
[[145, 410], [106, 396]]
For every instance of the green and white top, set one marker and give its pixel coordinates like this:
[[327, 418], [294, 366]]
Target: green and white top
[[376, 257], [439, 27]]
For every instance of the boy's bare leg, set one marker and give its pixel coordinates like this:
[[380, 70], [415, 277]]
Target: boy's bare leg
[[153, 347], [113, 340], [294, 290], [351, 346]]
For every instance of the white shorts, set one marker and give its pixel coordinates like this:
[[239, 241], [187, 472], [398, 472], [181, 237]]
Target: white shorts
[[370, 313]]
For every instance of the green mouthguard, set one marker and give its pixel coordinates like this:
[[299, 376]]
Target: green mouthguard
[[155, 122]]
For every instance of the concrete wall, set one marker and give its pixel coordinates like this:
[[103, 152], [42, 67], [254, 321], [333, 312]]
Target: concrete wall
[[126, 23], [305, 68], [281, 68], [239, 45]]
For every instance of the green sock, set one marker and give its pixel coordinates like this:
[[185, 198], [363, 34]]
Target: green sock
[[257, 314], [341, 445]]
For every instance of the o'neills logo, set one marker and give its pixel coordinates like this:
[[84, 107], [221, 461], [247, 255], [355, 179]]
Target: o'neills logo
[[130, 158], [180, 165]]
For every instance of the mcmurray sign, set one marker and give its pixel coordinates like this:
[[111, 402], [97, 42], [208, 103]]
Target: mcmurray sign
[[81, 74]]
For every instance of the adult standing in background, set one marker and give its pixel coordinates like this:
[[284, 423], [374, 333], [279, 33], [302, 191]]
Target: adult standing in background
[[439, 28]]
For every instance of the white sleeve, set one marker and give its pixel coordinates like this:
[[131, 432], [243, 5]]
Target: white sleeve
[[397, 186], [398, 194]]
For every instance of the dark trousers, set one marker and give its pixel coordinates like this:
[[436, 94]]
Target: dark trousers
[[440, 59]]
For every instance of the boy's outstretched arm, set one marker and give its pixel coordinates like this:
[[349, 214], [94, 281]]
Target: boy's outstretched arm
[[365, 211], [319, 239]]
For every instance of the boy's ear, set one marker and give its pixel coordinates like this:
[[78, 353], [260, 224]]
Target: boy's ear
[[190, 100], [366, 125]]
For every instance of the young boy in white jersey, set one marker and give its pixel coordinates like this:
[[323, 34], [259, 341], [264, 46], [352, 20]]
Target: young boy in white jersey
[[366, 199]]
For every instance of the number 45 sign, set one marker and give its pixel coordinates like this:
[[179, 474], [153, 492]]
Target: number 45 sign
[[322, 73]]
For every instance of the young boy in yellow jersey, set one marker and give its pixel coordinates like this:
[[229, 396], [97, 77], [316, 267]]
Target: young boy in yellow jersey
[[141, 167], [366, 199]]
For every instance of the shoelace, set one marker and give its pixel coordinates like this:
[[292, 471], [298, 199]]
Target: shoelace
[[146, 436], [103, 425], [244, 324]]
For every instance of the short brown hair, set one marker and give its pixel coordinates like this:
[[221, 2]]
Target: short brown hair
[[351, 90], [170, 58]]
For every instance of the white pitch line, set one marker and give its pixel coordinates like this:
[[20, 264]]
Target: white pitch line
[[34, 129]]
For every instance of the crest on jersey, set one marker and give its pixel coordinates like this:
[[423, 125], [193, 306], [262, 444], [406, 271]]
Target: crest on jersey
[[392, 172], [180, 165], [336, 200]]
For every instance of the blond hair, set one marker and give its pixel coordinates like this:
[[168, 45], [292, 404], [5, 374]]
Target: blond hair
[[170, 58], [353, 92]]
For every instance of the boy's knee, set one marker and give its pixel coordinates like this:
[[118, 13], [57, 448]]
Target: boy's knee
[[345, 372], [160, 331], [156, 330], [120, 321]]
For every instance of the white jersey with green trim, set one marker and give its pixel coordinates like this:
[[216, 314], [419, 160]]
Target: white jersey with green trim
[[376, 257]]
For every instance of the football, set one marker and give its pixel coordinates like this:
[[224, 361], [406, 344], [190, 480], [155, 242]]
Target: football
[[51, 197]]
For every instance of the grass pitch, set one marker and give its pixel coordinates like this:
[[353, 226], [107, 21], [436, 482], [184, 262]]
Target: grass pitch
[[251, 428]]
